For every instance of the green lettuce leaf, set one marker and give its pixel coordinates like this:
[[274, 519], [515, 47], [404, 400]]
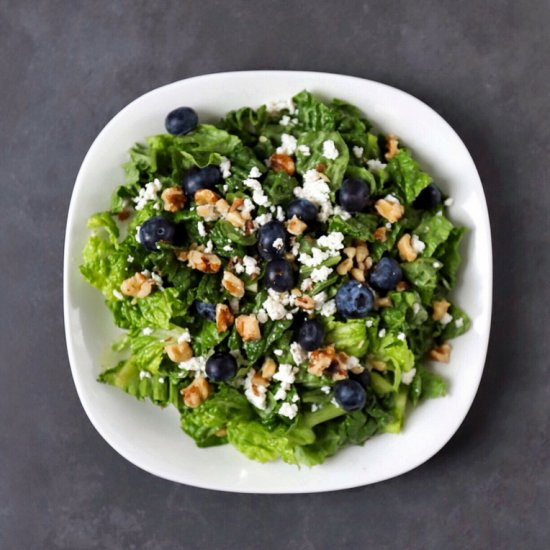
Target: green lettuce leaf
[[449, 256], [313, 115], [361, 226], [407, 175], [349, 336], [433, 230], [422, 273]]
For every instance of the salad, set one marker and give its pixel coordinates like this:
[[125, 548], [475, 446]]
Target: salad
[[281, 278]]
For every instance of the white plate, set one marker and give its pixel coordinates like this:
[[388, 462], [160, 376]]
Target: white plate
[[150, 437]]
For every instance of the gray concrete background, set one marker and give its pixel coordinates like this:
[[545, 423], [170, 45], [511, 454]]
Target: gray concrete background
[[67, 67]]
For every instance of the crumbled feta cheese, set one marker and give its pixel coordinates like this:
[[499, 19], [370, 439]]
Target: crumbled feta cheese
[[382, 333], [351, 362], [225, 167], [337, 210], [295, 398], [255, 393], [161, 380], [375, 165], [416, 308], [262, 316], [407, 377], [358, 151], [304, 149], [316, 190], [329, 308], [334, 402], [437, 265], [273, 107], [184, 337], [332, 241], [147, 194], [369, 323], [330, 151], [278, 244], [288, 144], [392, 198], [137, 234], [286, 375], [449, 201], [274, 308], [289, 316], [299, 354], [195, 364], [254, 172], [118, 295], [314, 407], [401, 336], [158, 280], [144, 374], [326, 389], [417, 244], [130, 258], [280, 394], [278, 352], [459, 323], [247, 207], [285, 120], [290, 410], [314, 259], [321, 274], [447, 318], [228, 248], [306, 285], [239, 268], [251, 266], [258, 195], [262, 219], [209, 247], [147, 331], [281, 216], [262, 139]]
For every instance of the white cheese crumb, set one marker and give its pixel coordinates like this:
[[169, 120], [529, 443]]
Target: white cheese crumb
[[280, 214], [147, 194], [255, 393], [254, 172], [285, 375], [449, 201], [209, 247], [258, 195], [332, 241], [144, 374], [278, 352], [147, 331], [262, 219], [330, 151], [416, 308], [280, 394], [238, 267], [314, 407], [329, 308], [158, 279], [290, 410], [316, 190], [358, 151], [251, 266], [326, 389], [274, 308], [299, 354], [262, 316], [278, 244], [321, 274], [184, 337], [161, 380], [137, 234], [118, 295], [382, 333], [304, 149], [459, 323], [369, 323], [437, 265], [447, 318], [334, 402], [307, 284], [295, 398], [195, 364], [247, 207], [401, 336], [417, 244], [225, 167], [392, 198], [388, 225], [130, 258], [228, 248], [275, 106], [407, 377], [375, 165], [337, 210], [285, 120], [288, 144]]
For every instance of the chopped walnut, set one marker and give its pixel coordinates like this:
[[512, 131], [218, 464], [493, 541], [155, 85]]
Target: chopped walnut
[[207, 263], [233, 284], [283, 163], [222, 206], [392, 145], [197, 392], [248, 327], [173, 198], [222, 432], [235, 219], [236, 204], [325, 361], [321, 167], [383, 302], [440, 308], [305, 302], [224, 317], [179, 352], [380, 234], [268, 368], [402, 286], [343, 267], [208, 212], [405, 248], [206, 196], [442, 353], [259, 380], [181, 255], [350, 251], [358, 274], [378, 365], [295, 226], [392, 211], [361, 253], [138, 286]]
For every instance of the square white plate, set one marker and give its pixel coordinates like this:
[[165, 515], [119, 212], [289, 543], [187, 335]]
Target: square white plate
[[150, 437]]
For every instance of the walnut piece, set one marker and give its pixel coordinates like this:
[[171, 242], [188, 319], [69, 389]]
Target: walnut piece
[[224, 317], [173, 198], [197, 392], [392, 146], [440, 308], [325, 361], [137, 286], [402, 286], [208, 212], [343, 267], [442, 353], [380, 235], [295, 226], [358, 274], [179, 352], [201, 261], [383, 302], [236, 204], [350, 251], [361, 253], [233, 284], [206, 196], [305, 302], [392, 211], [282, 163], [405, 248], [268, 368], [248, 327], [222, 206], [235, 219]]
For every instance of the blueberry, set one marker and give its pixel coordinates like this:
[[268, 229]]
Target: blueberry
[[303, 209], [279, 275], [354, 195], [363, 378], [272, 240], [200, 178], [156, 229], [386, 274], [181, 121], [354, 300], [208, 311], [428, 198], [221, 366], [311, 334], [350, 395]]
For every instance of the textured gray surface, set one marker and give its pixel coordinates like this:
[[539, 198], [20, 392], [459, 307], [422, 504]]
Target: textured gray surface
[[67, 67]]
